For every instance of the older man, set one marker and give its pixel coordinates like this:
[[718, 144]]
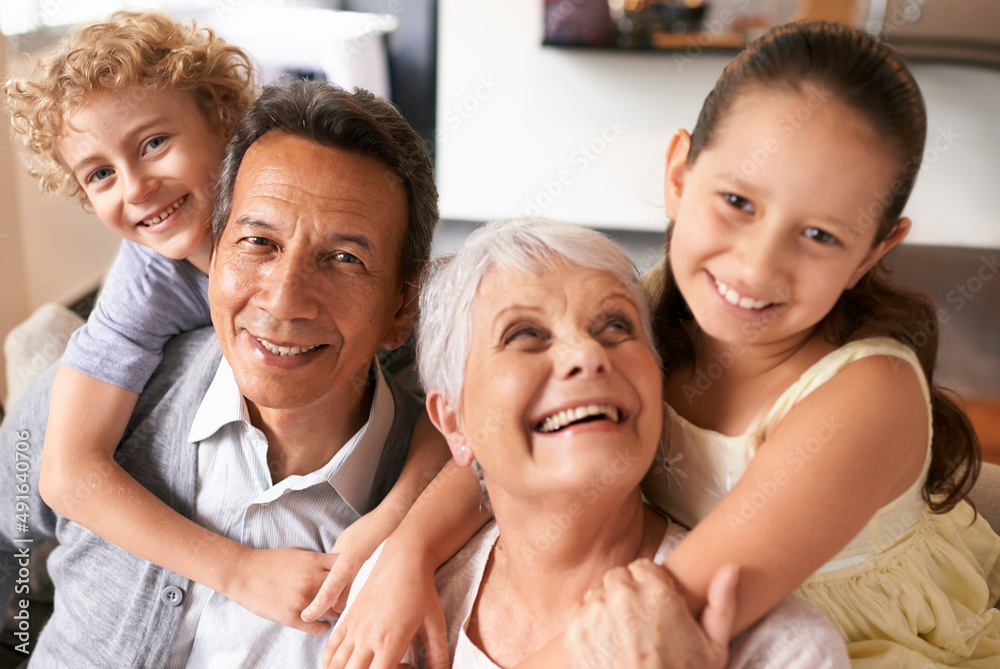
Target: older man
[[277, 429]]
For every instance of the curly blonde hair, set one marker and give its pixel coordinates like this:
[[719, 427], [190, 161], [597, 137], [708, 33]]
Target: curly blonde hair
[[144, 48]]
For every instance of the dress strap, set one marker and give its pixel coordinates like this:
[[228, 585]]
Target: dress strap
[[832, 363]]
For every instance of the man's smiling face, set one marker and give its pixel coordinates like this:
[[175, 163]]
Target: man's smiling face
[[305, 282]]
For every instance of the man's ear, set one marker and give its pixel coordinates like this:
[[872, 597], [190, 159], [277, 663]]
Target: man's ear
[[445, 419], [879, 250], [676, 169], [404, 320]]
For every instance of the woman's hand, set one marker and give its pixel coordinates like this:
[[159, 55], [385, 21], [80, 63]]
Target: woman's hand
[[640, 619], [397, 604]]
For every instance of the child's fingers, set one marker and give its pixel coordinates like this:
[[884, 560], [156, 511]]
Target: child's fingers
[[329, 593], [361, 659], [336, 655], [314, 628], [720, 613], [333, 645], [385, 662], [435, 638]]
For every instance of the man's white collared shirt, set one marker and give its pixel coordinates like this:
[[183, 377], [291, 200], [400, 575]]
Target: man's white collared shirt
[[236, 498]]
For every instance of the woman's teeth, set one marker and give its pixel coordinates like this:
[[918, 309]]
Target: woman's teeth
[[731, 296], [557, 421], [285, 350], [153, 220]]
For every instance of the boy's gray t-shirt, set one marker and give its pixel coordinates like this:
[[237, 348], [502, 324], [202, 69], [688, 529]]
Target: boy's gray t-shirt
[[146, 300]]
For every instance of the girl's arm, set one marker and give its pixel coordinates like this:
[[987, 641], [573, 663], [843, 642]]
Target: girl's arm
[[849, 448], [427, 455], [80, 479], [399, 599]]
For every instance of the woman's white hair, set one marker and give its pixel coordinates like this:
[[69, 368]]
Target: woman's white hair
[[529, 244]]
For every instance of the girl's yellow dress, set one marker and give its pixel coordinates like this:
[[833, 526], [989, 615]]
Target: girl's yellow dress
[[912, 589]]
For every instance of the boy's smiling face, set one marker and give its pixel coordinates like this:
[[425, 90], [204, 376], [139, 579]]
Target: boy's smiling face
[[147, 161]]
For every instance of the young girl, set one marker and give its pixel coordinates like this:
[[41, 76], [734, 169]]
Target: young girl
[[132, 115], [807, 442]]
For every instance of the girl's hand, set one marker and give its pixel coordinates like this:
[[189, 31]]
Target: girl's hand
[[276, 584], [397, 604], [640, 619], [354, 545]]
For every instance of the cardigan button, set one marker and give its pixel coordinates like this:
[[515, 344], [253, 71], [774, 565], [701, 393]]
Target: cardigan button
[[172, 595]]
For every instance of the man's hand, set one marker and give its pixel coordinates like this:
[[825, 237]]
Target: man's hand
[[278, 583], [640, 619], [397, 604]]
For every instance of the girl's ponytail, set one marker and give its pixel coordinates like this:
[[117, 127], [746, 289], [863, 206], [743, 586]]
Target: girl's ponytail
[[879, 307]]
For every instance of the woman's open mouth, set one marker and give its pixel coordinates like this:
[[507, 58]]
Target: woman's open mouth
[[582, 414]]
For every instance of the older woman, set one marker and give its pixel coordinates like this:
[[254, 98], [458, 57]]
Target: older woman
[[541, 373]]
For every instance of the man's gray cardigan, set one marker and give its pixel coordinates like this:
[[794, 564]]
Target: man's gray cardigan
[[113, 609]]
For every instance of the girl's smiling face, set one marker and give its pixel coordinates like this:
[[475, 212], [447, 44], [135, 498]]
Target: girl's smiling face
[[771, 222], [560, 387]]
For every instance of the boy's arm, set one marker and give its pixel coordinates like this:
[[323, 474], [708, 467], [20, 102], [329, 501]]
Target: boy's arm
[[399, 602], [428, 452], [80, 479]]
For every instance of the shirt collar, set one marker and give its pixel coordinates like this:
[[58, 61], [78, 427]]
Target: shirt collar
[[352, 469], [223, 404]]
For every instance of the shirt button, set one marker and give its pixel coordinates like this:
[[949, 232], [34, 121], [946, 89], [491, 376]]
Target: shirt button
[[172, 595]]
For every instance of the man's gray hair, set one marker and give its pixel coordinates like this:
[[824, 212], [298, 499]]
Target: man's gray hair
[[529, 244]]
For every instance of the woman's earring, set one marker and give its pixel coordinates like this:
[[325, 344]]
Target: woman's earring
[[478, 471]]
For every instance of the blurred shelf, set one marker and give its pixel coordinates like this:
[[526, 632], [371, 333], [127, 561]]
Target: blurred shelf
[[704, 40]]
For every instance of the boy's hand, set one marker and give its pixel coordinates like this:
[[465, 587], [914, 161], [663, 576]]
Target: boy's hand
[[397, 604], [354, 545], [640, 619], [278, 583]]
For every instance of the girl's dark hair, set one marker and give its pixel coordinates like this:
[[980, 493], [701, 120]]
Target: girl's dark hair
[[866, 75]]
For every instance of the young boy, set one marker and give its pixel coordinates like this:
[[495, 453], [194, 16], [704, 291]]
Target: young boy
[[131, 115]]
